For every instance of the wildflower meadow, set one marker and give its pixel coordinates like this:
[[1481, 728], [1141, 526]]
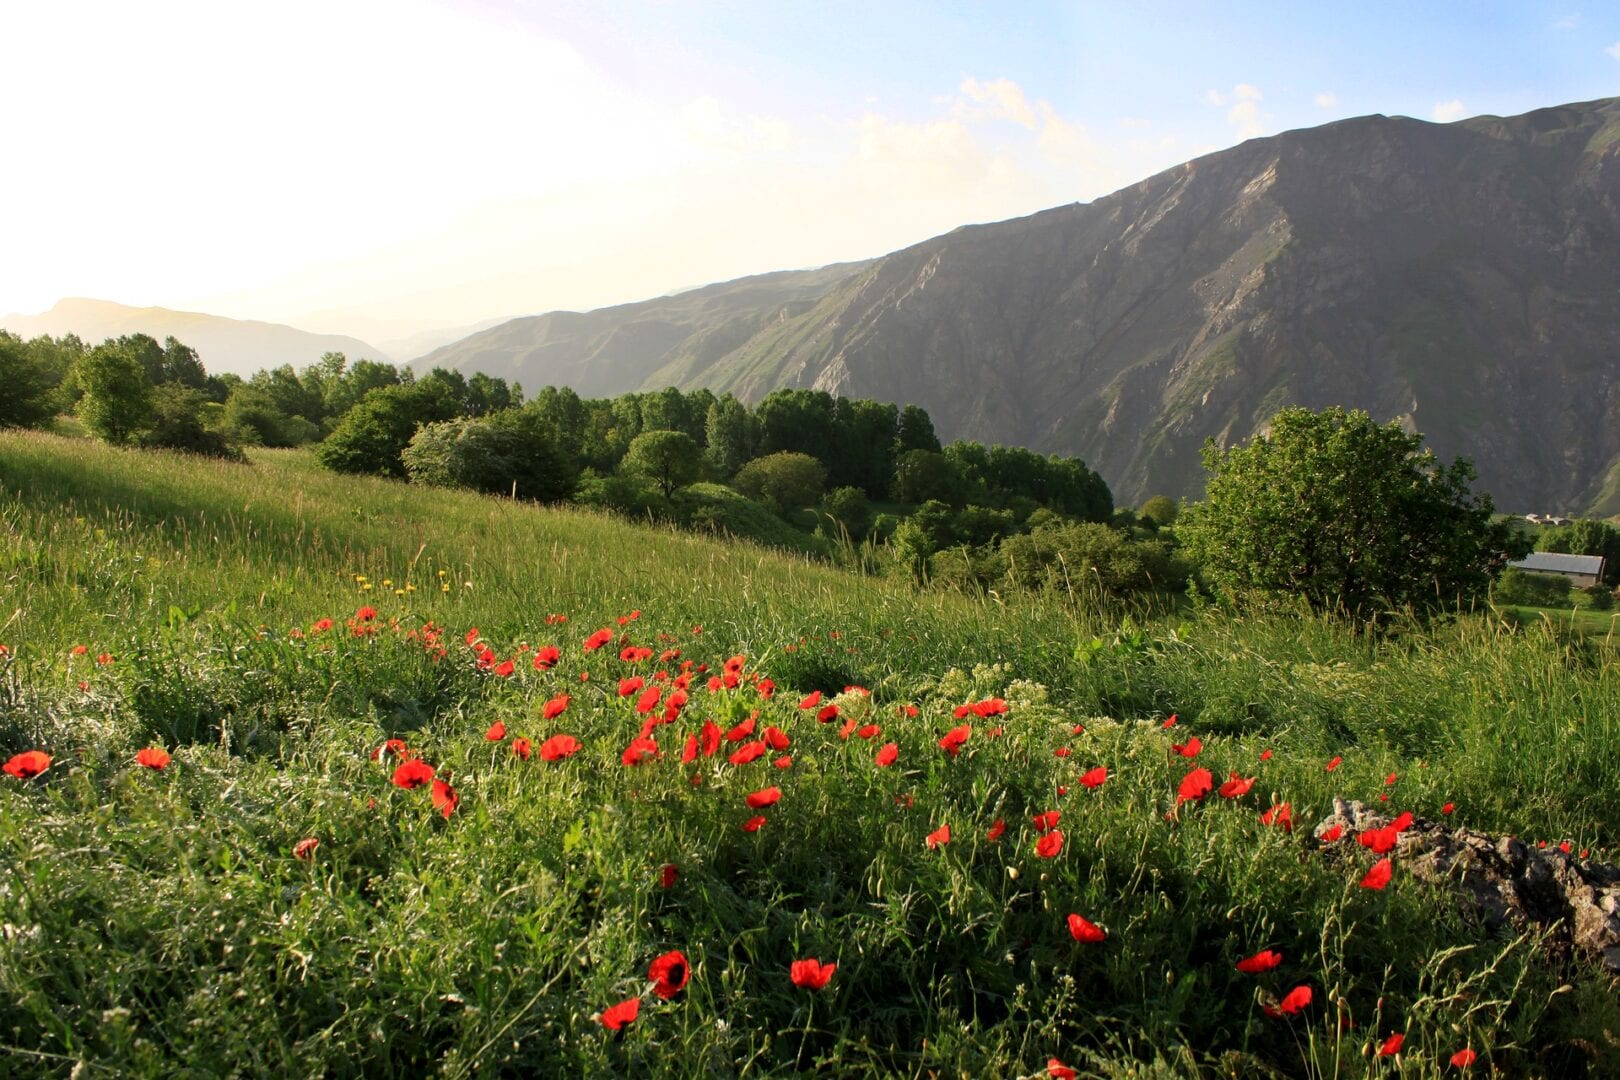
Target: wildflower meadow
[[315, 775]]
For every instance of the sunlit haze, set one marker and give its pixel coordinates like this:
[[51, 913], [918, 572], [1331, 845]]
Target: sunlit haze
[[378, 168]]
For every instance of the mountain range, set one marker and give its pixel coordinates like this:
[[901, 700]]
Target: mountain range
[[234, 346], [1461, 278]]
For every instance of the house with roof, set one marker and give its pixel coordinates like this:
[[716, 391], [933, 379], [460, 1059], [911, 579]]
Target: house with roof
[[1581, 570]]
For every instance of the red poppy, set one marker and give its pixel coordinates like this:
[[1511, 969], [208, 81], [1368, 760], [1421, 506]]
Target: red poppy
[[887, 754], [522, 748], [554, 708], [1392, 1045], [847, 730], [598, 639], [1194, 786], [305, 848], [1264, 960], [951, 742], [1047, 821], [689, 752], [811, 974], [1191, 748], [631, 685], [1062, 751], [558, 747], [1464, 1058], [989, 707], [667, 875], [994, 832], [810, 700], [869, 731], [1265, 755], [909, 710], [1170, 723], [496, 732], [776, 738], [1292, 1002], [711, 738], [1049, 845], [1236, 787], [753, 824], [153, 758], [546, 657], [1448, 808], [1058, 1071], [395, 747], [1380, 841], [749, 751], [1389, 781], [1403, 821], [1378, 876], [412, 774], [321, 626], [827, 714], [1083, 929], [445, 799], [28, 764], [784, 761], [764, 797], [941, 835], [669, 974], [640, 749], [505, 669], [1093, 778], [1334, 764], [1281, 815], [742, 730], [1332, 834], [625, 1012]]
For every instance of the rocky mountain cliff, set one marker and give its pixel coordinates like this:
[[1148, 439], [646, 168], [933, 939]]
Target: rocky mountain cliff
[[1463, 278], [235, 346]]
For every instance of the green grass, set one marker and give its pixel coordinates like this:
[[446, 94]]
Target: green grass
[[158, 923]]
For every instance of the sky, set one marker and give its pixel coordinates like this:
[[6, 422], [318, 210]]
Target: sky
[[381, 167]]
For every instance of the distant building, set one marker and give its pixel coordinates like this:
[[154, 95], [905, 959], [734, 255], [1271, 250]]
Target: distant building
[[1546, 519], [1582, 570]]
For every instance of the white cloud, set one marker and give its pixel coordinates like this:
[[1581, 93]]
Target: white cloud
[[1003, 100], [1447, 111], [1244, 116], [1614, 50], [1327, 100]]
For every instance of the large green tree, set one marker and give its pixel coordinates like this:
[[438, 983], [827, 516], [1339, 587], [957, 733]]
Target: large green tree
[[117, 401], [30, 386], [1352, 516], [670, 459]]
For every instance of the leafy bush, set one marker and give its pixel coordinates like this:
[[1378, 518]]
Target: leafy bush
[[785, 481], [508, 452], [372, 436], [178, 424], [1517, 586]]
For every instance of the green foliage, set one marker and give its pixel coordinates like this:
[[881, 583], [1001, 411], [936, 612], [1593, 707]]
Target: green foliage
[[850, 510], [372, 436], [1161, 509], [924, 475], [488, 943], [669, 459], [785, 481], [252, 411], [732, 435], [178, 423], [1347, 515], [30, 397], [503, 453], [117, 401], [1516, 586], [719, 511]]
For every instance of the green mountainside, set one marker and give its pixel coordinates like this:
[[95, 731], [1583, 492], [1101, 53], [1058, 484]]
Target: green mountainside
[[1462, 278]]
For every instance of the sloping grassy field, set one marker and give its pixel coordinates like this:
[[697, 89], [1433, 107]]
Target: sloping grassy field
[[179, 921]]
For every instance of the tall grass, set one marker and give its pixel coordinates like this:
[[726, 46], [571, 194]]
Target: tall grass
[[153, 923]]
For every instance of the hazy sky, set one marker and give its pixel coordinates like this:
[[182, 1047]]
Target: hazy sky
[[381, 167]]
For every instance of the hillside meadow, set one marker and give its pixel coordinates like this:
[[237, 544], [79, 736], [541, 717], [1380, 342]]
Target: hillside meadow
[[460, 786]]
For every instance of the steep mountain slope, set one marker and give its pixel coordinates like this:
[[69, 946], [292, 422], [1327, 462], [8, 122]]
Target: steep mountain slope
[[237, 346], [1464, 278], [667, 341]]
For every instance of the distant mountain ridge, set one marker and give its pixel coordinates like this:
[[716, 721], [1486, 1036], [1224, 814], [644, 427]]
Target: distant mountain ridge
[[1463, 278], [237, 346]]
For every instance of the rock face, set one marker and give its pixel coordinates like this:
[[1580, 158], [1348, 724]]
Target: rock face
[[1462, 278], [1504, 881]]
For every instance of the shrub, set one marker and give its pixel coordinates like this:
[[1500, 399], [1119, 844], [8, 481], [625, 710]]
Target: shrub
[[508, 452]]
